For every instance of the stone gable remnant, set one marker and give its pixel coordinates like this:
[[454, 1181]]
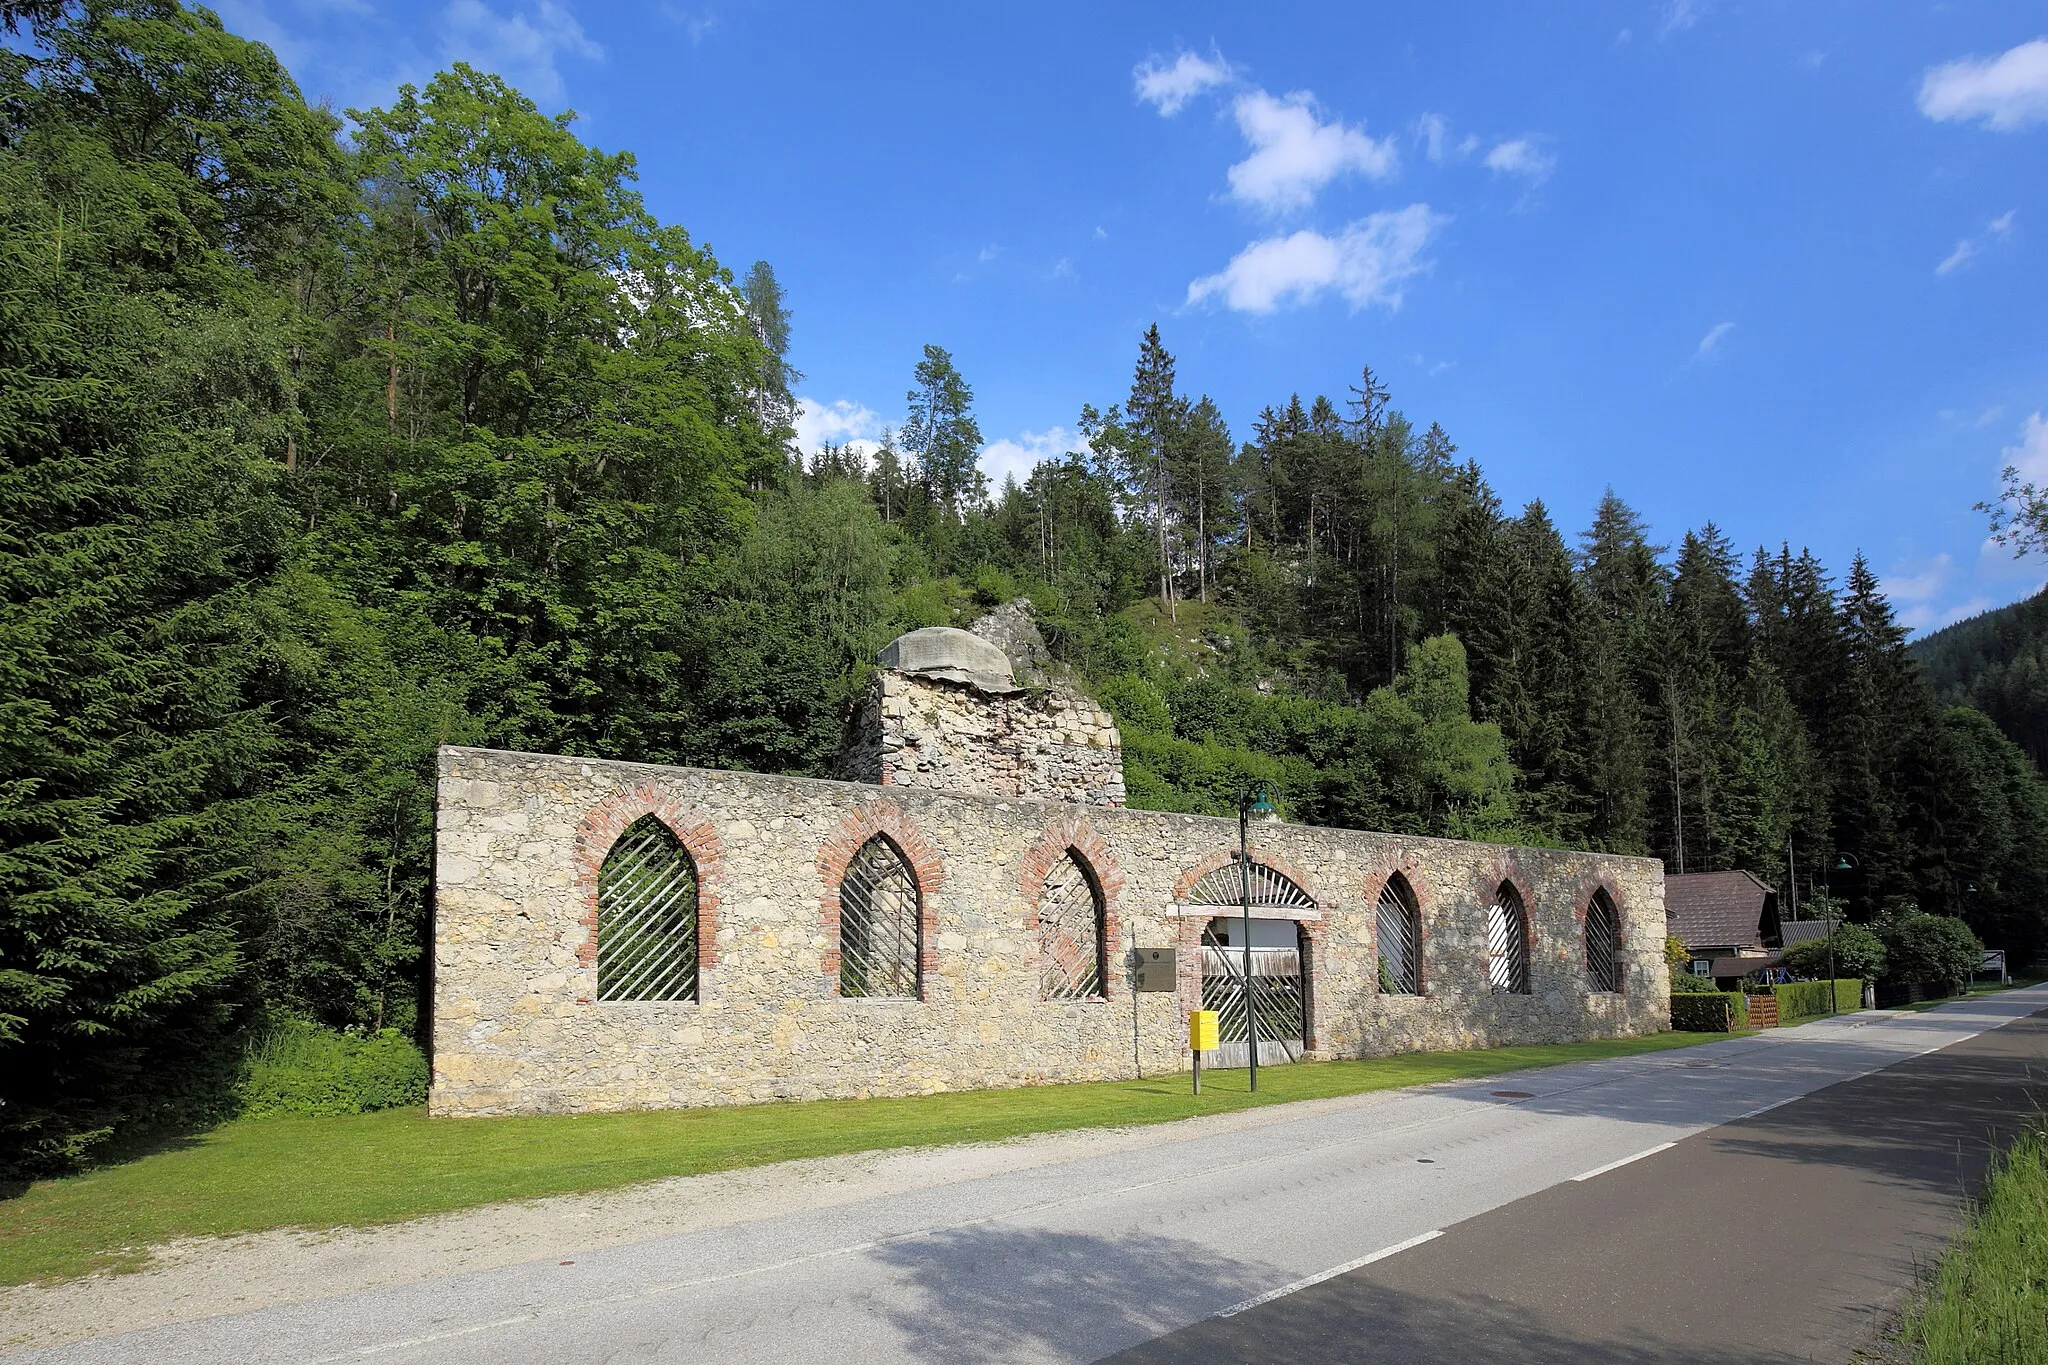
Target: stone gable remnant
[[946, 711]]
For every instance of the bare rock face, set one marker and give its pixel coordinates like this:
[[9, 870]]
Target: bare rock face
[[1012, 629], [944, 712]]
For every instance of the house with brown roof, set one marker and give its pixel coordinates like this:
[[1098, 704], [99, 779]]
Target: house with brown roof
[[1728, 921]]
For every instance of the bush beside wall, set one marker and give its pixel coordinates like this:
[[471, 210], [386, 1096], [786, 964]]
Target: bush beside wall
[[1709, 1012], [1810, 999], [301, 1068]]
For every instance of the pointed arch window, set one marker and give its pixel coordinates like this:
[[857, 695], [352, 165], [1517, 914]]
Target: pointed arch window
[[1400, 934], [1070, 932], [1603, 944], [880, 924], [1507, 943], [647, 916]]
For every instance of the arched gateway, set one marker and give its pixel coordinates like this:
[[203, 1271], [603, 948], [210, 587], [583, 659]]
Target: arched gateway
[[1280, 962]]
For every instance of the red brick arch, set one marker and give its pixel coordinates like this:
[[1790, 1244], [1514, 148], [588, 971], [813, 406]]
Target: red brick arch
[[1505, 871], [1073, 834], [1404, 864], [601, 828], [1184, 885], [1582, 904], [884, 817]]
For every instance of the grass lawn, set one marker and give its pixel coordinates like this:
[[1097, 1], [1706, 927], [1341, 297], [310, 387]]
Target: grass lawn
[[255, 1174], [1989, 1299]]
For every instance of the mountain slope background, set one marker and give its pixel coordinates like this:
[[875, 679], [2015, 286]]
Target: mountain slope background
[[1997, 663]]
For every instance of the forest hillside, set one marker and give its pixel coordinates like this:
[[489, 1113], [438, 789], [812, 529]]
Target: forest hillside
[[329, 440], [1996, 662]]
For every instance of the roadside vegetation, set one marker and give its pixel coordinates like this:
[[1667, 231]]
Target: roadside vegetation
[[1988, 1304], [260, 1173]]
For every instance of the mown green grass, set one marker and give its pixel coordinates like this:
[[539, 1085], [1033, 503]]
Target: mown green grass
[[255, 1174], [1988, 1304]]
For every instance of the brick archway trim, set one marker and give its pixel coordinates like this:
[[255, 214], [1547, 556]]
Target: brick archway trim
[[884, 817], [1582, 905], [1072, 834], [601, 828], [1404, 865], [1184, 885], [1505, 871]]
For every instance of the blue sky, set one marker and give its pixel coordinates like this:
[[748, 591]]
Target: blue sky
[[1784, 267]]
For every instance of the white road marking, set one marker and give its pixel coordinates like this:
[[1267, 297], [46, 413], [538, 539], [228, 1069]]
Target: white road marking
[[1765, 1108], [1332, 1273], [1617, 1165]]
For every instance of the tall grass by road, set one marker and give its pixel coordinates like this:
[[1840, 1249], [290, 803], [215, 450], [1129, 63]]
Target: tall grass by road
[[1988, 1304]]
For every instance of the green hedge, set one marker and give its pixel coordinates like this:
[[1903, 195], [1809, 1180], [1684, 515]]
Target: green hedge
[[1709, 1012], [301, 1068], [1809, 999]]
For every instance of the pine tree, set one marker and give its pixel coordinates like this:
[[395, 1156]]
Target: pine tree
[[943, 436]]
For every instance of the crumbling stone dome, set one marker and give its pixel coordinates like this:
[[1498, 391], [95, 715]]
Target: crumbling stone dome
[[958, 656]]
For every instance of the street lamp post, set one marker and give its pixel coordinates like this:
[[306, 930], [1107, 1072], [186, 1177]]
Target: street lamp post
[[1844, 862], [1251, 803]]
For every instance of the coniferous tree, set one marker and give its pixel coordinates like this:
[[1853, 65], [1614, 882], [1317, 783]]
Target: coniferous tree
[[942, 435]]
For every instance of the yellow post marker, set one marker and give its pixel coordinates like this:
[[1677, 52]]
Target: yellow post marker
[[1201, 1039]]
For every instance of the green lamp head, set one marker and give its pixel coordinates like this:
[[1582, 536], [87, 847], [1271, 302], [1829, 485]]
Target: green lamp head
[[1264, 806]]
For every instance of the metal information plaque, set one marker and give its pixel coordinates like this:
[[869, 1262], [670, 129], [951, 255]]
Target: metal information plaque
[[1153, 969]]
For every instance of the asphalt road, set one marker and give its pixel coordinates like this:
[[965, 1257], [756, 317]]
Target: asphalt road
[[1774, 1238], [1647, 1261]]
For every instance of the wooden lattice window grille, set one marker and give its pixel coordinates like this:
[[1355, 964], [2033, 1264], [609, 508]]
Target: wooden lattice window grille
[[647, 916], [1603, 945], [1507, 943], [1400, 933], [880, 927], [1271, 889], [1070, 933]]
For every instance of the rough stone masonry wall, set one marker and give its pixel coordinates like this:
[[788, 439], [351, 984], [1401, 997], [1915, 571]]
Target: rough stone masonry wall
[[518, 1028], [1049, 742]]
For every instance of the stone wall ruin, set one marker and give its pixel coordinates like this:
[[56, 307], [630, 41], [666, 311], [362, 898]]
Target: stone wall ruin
[[518, 1026]]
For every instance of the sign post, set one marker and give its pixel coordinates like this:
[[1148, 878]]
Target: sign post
[[1201, 1039]]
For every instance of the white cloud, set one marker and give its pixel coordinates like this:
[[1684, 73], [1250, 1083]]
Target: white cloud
[[1965, 249], [1017, 456], [1524, 157], [1918, 591], [696, 24], [1925, 583], [1712, 340], [1169, 88], [1999, 227], [2007, 92], [1680, 14], [2030, 456], [1366, 264], [1434, 130], [842, 420], [521, 46], [1295, 154], [989, 253]]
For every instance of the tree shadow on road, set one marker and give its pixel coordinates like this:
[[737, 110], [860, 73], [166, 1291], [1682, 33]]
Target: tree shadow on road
[[1001, 1293], [996, 1292]]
